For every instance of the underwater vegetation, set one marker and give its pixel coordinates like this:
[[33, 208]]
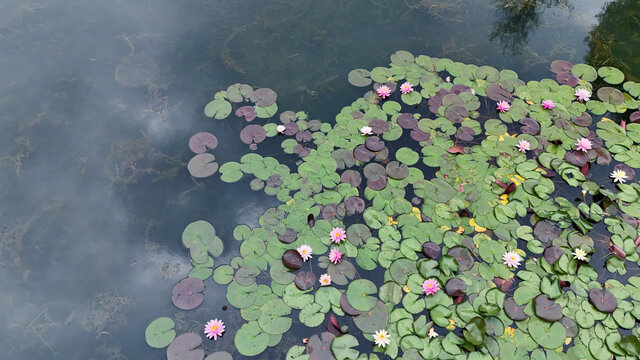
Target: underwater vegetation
[[451, 212]]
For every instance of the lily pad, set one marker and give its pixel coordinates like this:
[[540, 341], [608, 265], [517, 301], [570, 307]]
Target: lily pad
[[359, 78], [351, 177], [552, 254], [219, 355], [529, 126], [546, 231], [250, 340], [354, 205], [374, 319], [378, 183], [407, 121], [319, 347], [202, 165], [248, 112], [629, 173], [431, 250], [253, 134], [577, 158], [358, 294], [292, 259], [188, 294], [218, 109], [603, 300], [396, 170], [184, 348], [202, 142], [546, 308], [264, 97], [547, 335], [305, 280], [374, 143], [361, 153], [379, 126], [610, 95], [463, 256], [160, 332], [513, 310], [455, 287], [342, 347]]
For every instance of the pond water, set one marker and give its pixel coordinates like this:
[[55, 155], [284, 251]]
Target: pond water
[[99, 99]]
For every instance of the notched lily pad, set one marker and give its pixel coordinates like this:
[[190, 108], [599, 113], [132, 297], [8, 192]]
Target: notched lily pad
[[304, 280], [407, 121], [188, 294], [184, 348], [253, 134], [603, 300], [319, 347], [264, 97], [463, 256], [546, 231], [348, 309], [202, 142], [292, 259], [397, 170], [546, 308], [514, 311], [455, 287], [202, 165], [288, 237], [529, 126], [552, 254], [361, 153], [577, 158], [431, 250], [248, 112], [354, 205], [351, 177], [374, 143]]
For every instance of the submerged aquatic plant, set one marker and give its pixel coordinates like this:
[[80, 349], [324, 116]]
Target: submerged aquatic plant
[[436, 194]]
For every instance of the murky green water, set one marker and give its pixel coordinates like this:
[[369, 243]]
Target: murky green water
[[99, 99]]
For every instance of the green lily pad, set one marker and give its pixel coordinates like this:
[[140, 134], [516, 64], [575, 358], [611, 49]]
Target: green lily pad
[[160, 332], [373, 320], [218, 109], [250, 340], [342, 347], [547, 335], [358, 294]]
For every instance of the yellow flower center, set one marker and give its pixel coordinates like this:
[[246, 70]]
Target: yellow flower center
[[214, 327], [381, 336], [429, 285]]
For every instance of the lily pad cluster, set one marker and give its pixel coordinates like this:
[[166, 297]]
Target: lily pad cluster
[[441, 190]]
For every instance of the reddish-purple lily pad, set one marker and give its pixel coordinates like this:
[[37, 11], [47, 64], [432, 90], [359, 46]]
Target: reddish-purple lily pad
[[304, 136], [374, 170], [311, 220], [319, 347], [292, 259], [332, 326], [431, 250], [333, 211], [304, 280], [529, 126], [264, 97], [583, 120], [253, 134], [577, 158], [407, 121], [248, 112], [351, 177], [361, 153], [188, 294], [503, 284], [374, 143], [397, 170], [514, 311], [634, 117], [291, 129], [456, 113], [184, 348], [567, 78], [455, 287], [552, 254], [378, 183], [558, 66], [288, 116], [346, 307], [202, 165], [496, 93], [202, 141], [274, 181], [419, 135], [288, 237], [301, 150], [465, 133], [379, 126], [354, 205], [603, 300], [382, 155], [546, 308], [546, 230], [463, 256]]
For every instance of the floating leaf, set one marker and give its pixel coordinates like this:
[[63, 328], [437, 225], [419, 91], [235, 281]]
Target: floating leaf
[[374, 319], [188, 294], [351, 177], [358, 294], [552, 254], [463, 256], [407, 156], [202, 165], [248, 112], [342, 347], [603, 300], [354, 205], [546, 308], [431, 250], [202, 142], [361, 153], [611, 75], [455, 287], [513, 310], [305, 280], [547, 335], [348, 309], [264, 97], [529, 126], [546, 230], [610, 95], [359, 77], [292, 259], [319, 347], [184, 348], [396, 170], [253, 134], [218, 109], [160, 332], [374, 143], [250, 340], [407, 121]]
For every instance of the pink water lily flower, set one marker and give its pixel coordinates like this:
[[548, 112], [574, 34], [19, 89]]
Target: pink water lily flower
[[511, 259], [325, 280], [584, 144], [582, 94], [214, 328], [548, 104], [523, 145], [430, 286], [337, 235], [335, 255], [383, 91], [503, 106], [406, 88]]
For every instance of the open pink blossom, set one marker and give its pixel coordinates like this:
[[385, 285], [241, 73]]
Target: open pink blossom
[[335, 255], [523, 145], [583, 94], [584, 144], [337, 235], [548, 104], [430, 286], [503, 106], [325, 280], [214, 328], [406, 88], [383, 91], [281, 129], [305, 252]]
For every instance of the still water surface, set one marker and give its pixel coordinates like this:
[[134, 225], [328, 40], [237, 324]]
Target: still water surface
[[99, 98]]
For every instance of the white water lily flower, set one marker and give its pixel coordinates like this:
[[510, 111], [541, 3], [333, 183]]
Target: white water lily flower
[[579, 254], [366, 130], [619, 176], [432, 333], [511, 259], [382, 338]]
